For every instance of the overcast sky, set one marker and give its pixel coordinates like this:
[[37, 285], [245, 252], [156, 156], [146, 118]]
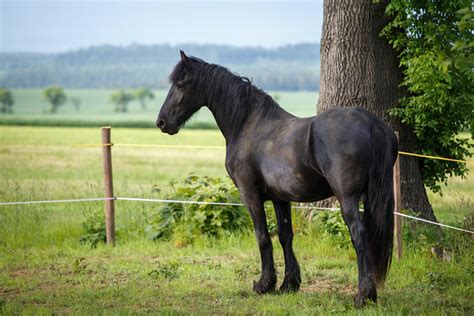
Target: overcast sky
[[61, 25]]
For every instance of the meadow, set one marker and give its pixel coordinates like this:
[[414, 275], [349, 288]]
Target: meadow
[[95, 109], [44, 269]]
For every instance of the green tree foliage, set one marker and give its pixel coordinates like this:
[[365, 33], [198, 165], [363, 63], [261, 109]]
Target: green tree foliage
[[55, 96], [76, 102], [121, 99], [435, 43], [142, 94], [6, 100]]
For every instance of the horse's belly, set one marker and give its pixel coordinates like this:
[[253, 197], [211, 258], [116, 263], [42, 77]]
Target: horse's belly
[[296, 185]]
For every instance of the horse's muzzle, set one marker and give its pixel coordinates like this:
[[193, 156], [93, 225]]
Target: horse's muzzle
[[166, 128], [160, 124]]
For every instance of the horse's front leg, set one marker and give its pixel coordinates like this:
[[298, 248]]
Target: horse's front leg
[[254, 204], [292, 279]]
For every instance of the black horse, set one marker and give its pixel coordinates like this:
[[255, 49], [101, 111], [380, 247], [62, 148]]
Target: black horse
[[273, 155]]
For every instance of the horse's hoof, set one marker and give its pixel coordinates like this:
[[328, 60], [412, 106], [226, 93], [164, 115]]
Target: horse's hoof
[[361, 300], [290, 284], [264, 287], [373, 295]]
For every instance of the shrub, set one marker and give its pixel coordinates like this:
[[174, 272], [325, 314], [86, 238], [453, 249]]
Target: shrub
[[332, 224], [94, 229], [424, 236], [186, 221], [166, 270]]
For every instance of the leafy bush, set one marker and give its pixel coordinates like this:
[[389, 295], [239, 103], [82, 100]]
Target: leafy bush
[[332, 224], [424, 236], [94, 229], [166, 270], [186, 221], [272, 223]]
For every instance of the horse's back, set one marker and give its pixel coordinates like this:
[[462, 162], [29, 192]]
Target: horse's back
[[348, 130], [342, 142]]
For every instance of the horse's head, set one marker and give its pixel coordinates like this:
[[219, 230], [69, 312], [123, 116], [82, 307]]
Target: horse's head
[[182, 100]]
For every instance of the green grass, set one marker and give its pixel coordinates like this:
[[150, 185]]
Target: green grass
[[44, 269], [73, 167], [31, 109]]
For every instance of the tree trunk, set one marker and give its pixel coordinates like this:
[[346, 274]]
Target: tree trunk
[[361, 69]]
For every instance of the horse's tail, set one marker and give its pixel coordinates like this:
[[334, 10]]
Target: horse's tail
[[378, 206]]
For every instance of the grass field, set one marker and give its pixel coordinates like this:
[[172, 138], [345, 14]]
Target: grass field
[[44, 269], [96, 110]]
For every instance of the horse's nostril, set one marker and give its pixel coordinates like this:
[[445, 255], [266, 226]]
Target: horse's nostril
[[160, 124]]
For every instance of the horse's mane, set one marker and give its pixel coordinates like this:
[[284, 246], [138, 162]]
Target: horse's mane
[[232, 96]]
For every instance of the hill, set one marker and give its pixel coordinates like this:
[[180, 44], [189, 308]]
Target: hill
[[292, 67]]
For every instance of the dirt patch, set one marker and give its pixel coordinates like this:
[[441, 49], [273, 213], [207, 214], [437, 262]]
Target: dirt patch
[[60, 278], [8, 293], [328, 285], [25, 272], [213, 260]]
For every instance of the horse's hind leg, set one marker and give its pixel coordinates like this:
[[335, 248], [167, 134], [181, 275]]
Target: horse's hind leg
[[292, 279], [254, 204], [352, 217]]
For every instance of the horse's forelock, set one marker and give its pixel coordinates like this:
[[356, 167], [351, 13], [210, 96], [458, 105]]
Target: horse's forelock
[[177, 73]]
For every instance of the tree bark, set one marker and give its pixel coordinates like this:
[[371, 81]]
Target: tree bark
[[361, 69]]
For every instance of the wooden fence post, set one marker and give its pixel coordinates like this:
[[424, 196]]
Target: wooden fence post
[[397, 206], [108, 186]]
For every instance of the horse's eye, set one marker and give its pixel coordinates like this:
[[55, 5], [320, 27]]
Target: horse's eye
[[180, 85]]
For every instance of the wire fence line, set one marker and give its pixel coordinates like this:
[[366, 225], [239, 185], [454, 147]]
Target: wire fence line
[[433, 223], [110, 144], [171, 146], [58, 201], [156, 201], [54, 146], [217, 203], [469, 162], [436, 158]]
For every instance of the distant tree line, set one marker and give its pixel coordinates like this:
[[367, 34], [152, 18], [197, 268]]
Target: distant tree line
[[56, 97], [294, 67]]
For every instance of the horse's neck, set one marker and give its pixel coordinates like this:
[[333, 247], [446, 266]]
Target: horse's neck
[[222, 123], [256, 116]]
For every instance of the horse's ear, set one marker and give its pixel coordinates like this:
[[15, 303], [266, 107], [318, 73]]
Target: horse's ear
[[185, 59]]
